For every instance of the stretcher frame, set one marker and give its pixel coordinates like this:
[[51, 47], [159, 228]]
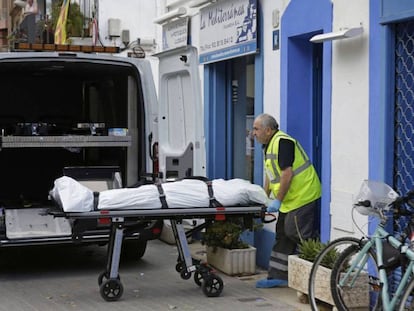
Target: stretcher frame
[[111, 288]]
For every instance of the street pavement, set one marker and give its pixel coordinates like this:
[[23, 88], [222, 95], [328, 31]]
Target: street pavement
[[66, 278]]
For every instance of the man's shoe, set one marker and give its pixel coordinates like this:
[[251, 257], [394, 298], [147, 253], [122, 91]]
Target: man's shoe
[[270, 283]]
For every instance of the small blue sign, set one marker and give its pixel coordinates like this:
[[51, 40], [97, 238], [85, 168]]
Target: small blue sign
[[276, 39]]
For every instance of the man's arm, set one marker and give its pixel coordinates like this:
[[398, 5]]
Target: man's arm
[[285, 180], [286, 158]]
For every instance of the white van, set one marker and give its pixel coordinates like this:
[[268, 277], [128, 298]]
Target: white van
[[96, 118]]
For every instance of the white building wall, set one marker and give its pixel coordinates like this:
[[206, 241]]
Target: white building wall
[[136, 15], [350, 115], [271, 63], [271, 84]]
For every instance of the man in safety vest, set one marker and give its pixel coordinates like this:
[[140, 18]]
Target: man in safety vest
[[294, 186]]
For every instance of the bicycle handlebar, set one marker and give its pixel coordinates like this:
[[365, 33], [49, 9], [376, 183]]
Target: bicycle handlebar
[[398, 205], [365, 203]]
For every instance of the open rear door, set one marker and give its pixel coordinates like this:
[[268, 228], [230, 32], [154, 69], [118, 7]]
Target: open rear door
[[181, 147]]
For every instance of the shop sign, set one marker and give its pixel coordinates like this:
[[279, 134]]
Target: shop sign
[[175, 34], [228, 29]]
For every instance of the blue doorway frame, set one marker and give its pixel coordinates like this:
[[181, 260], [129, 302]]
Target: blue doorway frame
[[312, 126]]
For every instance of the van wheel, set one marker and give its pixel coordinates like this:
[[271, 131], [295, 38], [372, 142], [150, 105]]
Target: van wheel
[[133, 249]]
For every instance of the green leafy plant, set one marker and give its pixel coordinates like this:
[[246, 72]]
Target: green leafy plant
[[226, 234], [309, 250]]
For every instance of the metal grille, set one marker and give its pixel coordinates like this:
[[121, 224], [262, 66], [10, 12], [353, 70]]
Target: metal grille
[[404, 108], [403, 120]]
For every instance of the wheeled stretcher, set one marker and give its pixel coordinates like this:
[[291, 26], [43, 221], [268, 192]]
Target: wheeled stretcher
[[111, 288], [174, 201]]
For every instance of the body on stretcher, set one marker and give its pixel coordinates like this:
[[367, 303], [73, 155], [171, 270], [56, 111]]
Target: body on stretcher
[[72, 196], [111, 288]]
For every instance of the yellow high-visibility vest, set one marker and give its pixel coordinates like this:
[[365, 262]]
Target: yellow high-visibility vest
[[305, 186]]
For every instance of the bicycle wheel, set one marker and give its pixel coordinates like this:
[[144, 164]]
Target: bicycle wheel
[[407, 298], [360, 288], [336, 246]]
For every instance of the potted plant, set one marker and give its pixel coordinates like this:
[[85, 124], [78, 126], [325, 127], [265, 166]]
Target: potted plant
[[300, 266], [310, 249], [225, 249]]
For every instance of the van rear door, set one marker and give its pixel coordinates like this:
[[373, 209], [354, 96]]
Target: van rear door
[[181, 147]]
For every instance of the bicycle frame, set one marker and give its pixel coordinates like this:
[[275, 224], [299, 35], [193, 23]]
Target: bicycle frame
[[361, 260]]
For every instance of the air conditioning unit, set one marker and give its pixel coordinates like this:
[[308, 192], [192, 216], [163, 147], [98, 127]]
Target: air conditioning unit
[[114, 27]]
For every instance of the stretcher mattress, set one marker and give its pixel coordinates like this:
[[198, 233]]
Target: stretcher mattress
[[72, 196]]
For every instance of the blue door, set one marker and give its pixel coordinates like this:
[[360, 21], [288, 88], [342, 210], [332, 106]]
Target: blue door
[[230, 114]]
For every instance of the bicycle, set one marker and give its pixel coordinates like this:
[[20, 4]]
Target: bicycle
[[366, 265]]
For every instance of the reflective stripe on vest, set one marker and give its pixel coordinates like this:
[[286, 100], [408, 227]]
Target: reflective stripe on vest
[[274, 159]]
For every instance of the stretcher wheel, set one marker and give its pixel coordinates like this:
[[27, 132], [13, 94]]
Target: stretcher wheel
[[198, 278], [111, 290], [212, 286], [104, 275], [185, 275], [179, 267]]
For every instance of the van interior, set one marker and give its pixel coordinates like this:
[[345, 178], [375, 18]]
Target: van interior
[[49, 105]]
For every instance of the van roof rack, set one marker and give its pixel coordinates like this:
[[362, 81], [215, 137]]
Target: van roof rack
[[45, 47]]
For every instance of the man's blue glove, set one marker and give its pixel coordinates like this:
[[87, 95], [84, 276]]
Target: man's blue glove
[[273, 206]]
